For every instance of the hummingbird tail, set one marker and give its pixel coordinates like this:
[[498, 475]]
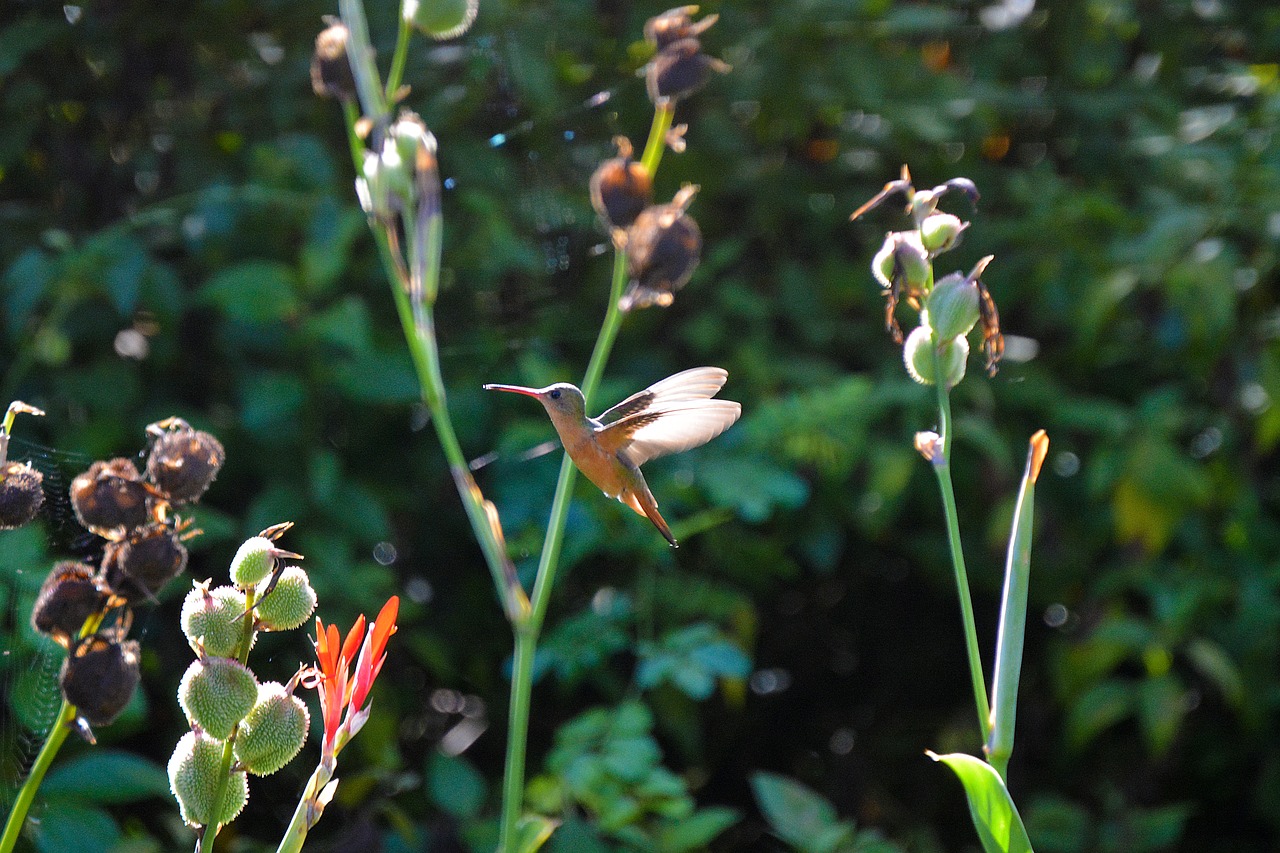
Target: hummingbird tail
[[643, 503]]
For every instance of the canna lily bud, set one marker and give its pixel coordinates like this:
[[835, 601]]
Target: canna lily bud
[[195, 776], [440, 19], [216, 693], [940, 232], [918, 355], [902, 263]]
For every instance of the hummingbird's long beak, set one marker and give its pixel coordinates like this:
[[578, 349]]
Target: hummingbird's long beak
[[515, 389]]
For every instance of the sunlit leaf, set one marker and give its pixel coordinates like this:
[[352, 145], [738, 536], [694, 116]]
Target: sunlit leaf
[[994, 815]]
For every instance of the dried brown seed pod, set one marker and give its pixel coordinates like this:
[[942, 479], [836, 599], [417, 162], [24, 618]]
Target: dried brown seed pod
[[679, 70], [183, 461], [664, 246], [99, 677], [70, 594], [675, 24], [330, 68], [139, 566], [110, 498], [621, 188], [21, 494]]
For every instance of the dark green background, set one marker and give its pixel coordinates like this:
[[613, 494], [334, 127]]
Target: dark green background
[[165, 167]]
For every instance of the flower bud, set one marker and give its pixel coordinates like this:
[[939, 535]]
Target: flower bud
[[679, 70], [289, 604], [620, 188], [441, 19], [254, 560], [21, 494], [273, 732], [139, 566], [386, 183], [183, 462], [212, 620], [195, 776], [69, 595], [918, 355], [99, 677], [110, 498], [330, 69], [940, 232], [215, 693], [951, 309], [664, 246]]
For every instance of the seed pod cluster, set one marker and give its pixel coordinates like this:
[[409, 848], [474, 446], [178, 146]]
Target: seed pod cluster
[[143, 551], [679, 68], [264, 724]]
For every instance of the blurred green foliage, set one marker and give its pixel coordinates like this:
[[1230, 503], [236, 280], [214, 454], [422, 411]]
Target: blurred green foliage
[[179, 236]]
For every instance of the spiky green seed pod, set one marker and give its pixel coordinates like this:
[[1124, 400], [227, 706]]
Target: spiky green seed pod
[[441, 19], [194, 777], [917, 353], [288, 605], [253, 561], [216, 693], [273, 732], [940, 232], [952, 307], [211, 620]]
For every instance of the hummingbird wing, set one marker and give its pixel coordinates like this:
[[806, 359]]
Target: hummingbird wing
[[698, 383], [679, 426]]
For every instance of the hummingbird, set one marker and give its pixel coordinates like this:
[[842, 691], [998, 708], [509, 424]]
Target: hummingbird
[[670, 416]]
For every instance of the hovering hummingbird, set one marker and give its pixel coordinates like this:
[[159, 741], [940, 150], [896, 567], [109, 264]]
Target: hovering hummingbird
[[667, 417]]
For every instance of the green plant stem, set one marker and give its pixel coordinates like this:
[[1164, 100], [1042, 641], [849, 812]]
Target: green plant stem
[[942, 468], [27, 794], [396, 74], [305, 815], [528, 631], [662, 117]]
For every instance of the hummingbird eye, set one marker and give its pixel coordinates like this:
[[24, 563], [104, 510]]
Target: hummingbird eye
[[555, 394]]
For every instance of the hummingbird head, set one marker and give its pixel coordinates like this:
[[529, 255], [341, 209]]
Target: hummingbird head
[[560, 399]]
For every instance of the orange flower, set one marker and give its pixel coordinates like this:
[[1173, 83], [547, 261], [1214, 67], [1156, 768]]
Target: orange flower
[[337, 688]]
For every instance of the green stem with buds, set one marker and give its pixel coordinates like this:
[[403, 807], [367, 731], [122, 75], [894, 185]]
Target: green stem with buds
[[942, 468]]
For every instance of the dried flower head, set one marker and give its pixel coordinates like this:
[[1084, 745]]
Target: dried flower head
[[675, 24], [99, 676], [21, 494], [330, 69], [183, 461], [664, 246], [139, 566], [110, 499], [679, 70], [70, 594], [620, 188]]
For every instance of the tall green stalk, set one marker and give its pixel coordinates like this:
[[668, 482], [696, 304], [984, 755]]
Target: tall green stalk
[[27, 795], [942, 468]]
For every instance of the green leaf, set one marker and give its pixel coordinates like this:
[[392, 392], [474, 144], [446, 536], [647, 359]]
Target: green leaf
[[1100, 707], [455, 786], [799, 815], [994, 814], [533, 831], [107, 776], [84, 829], [697, 830], [254, 292]]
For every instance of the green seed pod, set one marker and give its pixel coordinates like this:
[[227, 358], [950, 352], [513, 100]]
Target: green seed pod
[[917, 353], [211, 620], [940, 232], [273, 732], [952, 307], [194, 777], [290, 604], [215, 693], [902, 261], [21, 494], [253, 561], [440, 19]]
